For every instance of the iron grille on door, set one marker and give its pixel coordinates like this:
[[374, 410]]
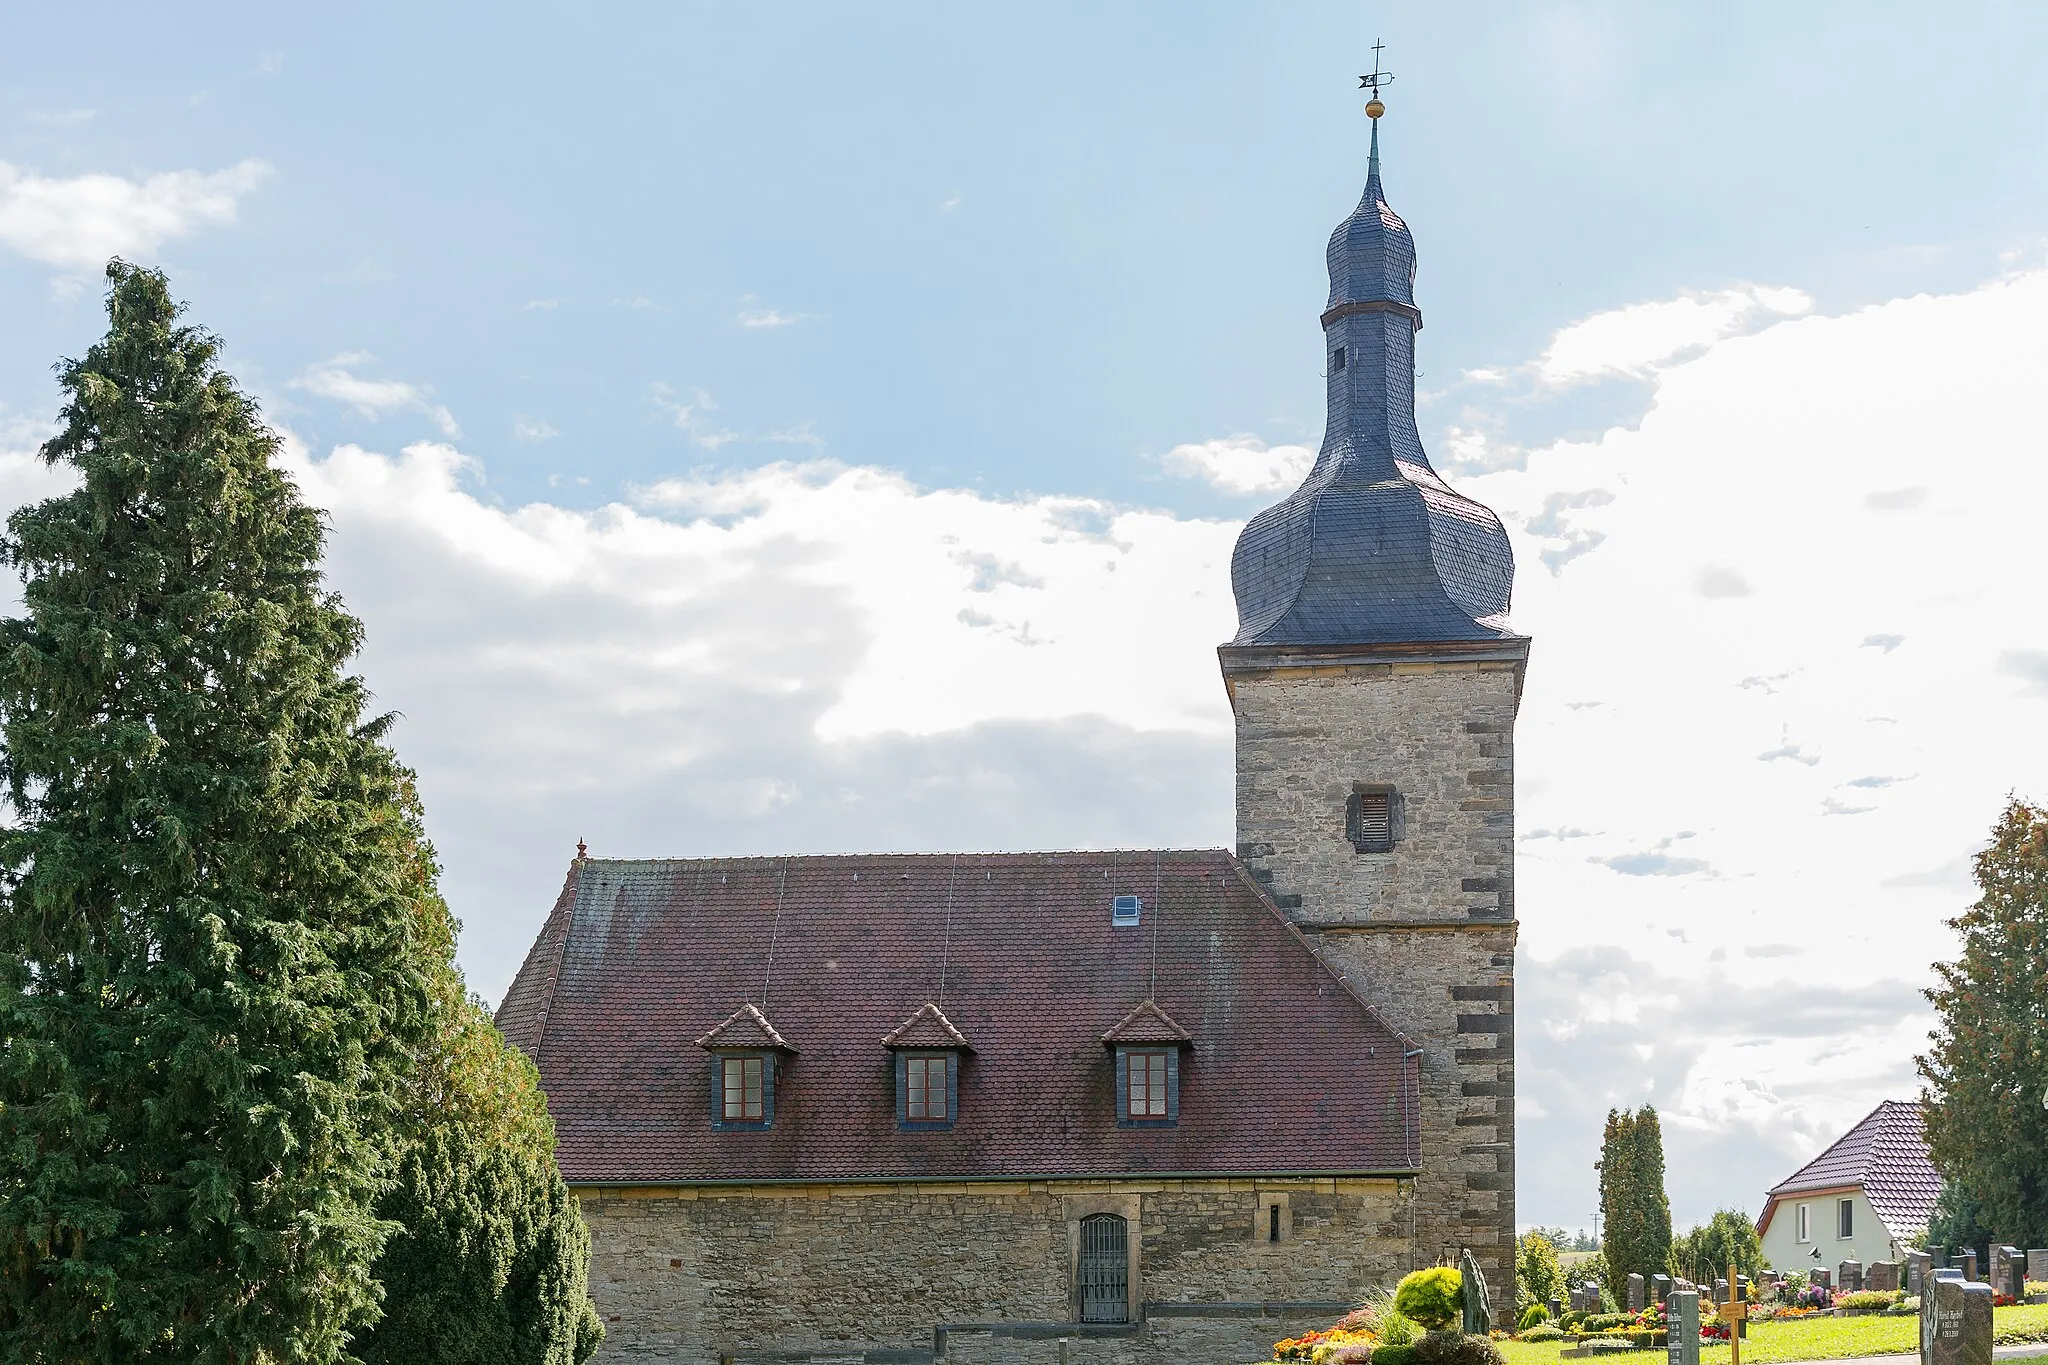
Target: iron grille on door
[[1105, 1269]]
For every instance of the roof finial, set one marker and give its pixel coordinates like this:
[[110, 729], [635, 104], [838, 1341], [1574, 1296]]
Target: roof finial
[[1373, 107], [581, 850]]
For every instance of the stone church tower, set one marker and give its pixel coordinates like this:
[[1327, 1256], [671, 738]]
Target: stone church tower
[[1375, 680]]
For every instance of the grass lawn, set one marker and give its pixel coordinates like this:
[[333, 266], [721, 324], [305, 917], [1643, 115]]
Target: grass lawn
[[1817, 1339]]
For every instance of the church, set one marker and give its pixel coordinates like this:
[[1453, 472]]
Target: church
[[1154, 1105]]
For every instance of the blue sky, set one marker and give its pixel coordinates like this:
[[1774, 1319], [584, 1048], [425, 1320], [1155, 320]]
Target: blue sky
[[813, 429]]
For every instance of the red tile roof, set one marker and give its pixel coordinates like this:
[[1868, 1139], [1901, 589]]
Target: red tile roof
[[1146, 1024], [1287, 1070], [745, 1028], [929, 1027], [1885, 1154]]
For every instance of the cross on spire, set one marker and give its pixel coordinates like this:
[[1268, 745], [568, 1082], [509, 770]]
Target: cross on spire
[[1378, 78]]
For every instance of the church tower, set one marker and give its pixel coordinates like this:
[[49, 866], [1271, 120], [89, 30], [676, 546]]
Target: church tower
[[1374, 679]]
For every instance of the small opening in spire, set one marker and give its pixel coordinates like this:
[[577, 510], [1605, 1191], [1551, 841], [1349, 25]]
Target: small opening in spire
[[1336, 360]]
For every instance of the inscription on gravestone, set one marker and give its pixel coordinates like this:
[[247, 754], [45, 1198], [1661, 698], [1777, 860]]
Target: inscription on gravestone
[[1955, 1323], [1919, 1269], [1683, 1344]]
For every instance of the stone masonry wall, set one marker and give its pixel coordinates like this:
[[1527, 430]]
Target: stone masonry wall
[[1426, 931], [840, 1271]]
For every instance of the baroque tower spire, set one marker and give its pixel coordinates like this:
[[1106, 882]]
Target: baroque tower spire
[[1373, 547]]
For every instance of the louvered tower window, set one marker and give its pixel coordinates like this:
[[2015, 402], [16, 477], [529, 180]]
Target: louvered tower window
[[1372, 818]]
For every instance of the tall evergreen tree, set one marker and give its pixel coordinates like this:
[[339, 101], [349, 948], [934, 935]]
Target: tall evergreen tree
[[490, 1265], [1986, 1074], [1728, 1238], [1636, 1235], [211, 983]]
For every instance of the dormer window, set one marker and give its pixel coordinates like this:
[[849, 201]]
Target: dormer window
[[746, 1053], [1147, 1044], [927, 1051]]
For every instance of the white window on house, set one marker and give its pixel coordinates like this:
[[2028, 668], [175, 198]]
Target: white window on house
[[1805, 1223], [924, 1088], [1845, 1218]]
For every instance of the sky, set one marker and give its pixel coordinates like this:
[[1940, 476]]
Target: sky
[[811, 429]]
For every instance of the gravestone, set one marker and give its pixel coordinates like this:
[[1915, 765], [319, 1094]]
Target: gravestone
[[1556, 1307], [2037, 1265], [1742, 1288], [1955, 1323], [1478, 1306], [1966, 1261], [1882, 1276], [1851, 1273], [1660, 1288], [1682, 1345], [1821, 1279], [1919, 1270], [1720, 1290], [1635, 1292], [2008, 1272]]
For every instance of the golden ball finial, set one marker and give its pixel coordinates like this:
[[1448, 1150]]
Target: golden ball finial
[[1373, 108]]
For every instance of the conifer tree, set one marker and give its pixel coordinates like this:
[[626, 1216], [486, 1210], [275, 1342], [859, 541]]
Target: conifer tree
[[211, 983], [490, 1263], [1986, 1074], [1636, 1235], [1728, 1238]]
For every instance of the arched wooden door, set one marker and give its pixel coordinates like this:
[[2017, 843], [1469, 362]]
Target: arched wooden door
[[1105, 1269]]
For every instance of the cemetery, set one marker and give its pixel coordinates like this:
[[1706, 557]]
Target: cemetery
[[1951, 1308]]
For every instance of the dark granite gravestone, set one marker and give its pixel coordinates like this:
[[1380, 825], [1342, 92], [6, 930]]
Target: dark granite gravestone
[[1851, 1273], [1882, 1276], [1742, 1288], [1919, 1269], [1955, 1323], [1720, 1291], [1635, 1292], [1821, 1278], [1556, 1307], [1660, 1288], [1682, 1344], [2008, 1271], [1966, 1261]]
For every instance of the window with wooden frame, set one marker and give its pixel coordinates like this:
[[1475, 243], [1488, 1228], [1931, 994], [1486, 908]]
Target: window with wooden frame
[[1146, 1083], [744, 1089], [1845, 1218], [924, 1089], [1372, 817]]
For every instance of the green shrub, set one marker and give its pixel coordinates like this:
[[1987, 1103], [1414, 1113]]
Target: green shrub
[[1602, 1322], [1393, 1355], [1455, 1348], [1533, 1315], [1548, 1331], [1433, 1298], [1910, 1305], [1868, 1299]]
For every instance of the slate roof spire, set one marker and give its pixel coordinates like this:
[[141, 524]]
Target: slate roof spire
[[1374, 547]]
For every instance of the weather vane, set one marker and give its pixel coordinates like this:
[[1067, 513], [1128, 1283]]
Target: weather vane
[[1373, 107]]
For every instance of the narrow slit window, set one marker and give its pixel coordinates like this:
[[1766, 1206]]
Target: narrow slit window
[[925, 1086], [1805, 1227], [1147, 1085], [1337, 360], [743, 1089], [1272, 1222], [1845, 1218]]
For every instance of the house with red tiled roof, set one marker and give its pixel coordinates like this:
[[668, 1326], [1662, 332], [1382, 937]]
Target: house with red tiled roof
[[1157, 1105], [1867, 1198]]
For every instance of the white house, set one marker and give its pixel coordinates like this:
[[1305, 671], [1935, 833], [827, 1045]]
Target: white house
[[1867, 1198]]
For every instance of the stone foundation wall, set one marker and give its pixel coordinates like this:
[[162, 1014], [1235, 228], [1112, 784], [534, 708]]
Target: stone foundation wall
[[982, 1271], [1427, 930]]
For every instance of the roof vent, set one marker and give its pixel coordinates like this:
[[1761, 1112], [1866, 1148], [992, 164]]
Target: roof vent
[[1123, 910]]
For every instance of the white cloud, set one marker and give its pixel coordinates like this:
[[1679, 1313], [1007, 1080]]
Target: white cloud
[[77, 224], [529, 428], [765, 319], [373, 398], [1637, 339], [1241, 464]]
